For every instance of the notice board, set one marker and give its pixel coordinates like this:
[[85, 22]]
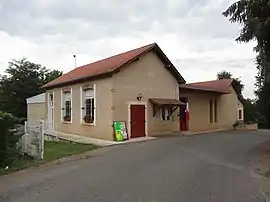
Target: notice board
[[120, 131]]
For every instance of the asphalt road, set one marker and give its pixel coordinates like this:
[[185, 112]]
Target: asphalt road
[[203, 168]]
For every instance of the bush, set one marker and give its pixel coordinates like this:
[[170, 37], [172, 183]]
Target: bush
[[237, 123], [8, 151]]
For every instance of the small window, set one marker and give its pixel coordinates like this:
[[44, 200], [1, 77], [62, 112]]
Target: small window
[[66, 106], [240, 114], [211, 110], [164, 114], [88, 105]]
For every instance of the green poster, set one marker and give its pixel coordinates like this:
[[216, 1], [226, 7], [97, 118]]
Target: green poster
[[120, 131]]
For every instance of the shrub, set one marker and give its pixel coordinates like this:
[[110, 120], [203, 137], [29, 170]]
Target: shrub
[[8, 151], [236, 124]]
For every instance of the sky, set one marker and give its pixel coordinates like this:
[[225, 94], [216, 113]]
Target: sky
[[192, 33]]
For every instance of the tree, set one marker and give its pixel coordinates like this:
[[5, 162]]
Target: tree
[[51, 75], [239, 86], [23, 79], [251, 112], [254, 16]]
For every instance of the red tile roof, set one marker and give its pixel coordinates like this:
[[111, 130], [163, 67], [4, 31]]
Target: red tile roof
[[219, 86], [110, 65]]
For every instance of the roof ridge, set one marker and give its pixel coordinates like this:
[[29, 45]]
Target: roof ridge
[[118, 54], [201, 82], [101, 66]]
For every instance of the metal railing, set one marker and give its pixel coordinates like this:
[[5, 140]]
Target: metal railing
[[33, 140]]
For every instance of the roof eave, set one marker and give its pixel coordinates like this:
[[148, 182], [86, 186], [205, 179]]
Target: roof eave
[[170, 66], [93, 77], [205, 90]]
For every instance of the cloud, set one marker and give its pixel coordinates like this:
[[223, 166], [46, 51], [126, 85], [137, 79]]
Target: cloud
[[192, 33]]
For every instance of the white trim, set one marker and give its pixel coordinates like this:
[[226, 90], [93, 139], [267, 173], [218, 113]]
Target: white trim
[[242, 114], [129, 118], [95, 106], [51, 108], [81, 105], [71, 105], [61, 111]]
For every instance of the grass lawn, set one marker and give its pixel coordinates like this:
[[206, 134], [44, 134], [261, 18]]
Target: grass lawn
[[52, 151]]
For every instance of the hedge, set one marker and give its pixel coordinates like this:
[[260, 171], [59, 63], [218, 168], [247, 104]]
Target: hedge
[[8, 151]]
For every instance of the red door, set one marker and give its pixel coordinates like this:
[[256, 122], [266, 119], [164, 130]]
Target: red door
[[182, 116], [137, 121]]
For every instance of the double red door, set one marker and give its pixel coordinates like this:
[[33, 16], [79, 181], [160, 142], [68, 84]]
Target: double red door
[[137, 121]]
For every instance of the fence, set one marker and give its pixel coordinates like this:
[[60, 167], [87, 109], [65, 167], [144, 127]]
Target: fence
[[33, 140]]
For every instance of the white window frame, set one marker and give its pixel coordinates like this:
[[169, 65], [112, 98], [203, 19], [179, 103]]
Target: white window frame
[[50, 107], [242, 114], [62, 106], [82, 99], [159, 114]]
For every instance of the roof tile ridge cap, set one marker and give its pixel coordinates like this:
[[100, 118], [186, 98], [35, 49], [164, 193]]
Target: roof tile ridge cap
[[199, 82]]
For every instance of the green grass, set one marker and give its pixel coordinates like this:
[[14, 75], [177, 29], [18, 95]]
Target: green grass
[[56, 150], [52, 151]]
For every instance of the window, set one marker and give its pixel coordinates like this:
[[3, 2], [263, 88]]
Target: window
[[66, 105], [240, 114], [215, 111], [164, 114], [88, 104], [211, 110]]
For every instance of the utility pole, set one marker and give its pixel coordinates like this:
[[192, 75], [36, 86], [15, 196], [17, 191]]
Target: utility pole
[[74, 56]]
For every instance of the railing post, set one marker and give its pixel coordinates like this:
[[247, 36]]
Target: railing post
[[42, 140], [25, 127]]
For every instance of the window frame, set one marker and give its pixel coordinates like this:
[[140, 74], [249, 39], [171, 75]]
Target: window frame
[[63, 105], [160, 114], [242, 114], [83, 107], [211, 117], [215, 111]]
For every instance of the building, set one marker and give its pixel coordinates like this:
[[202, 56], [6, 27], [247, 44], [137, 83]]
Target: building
[[213, 105], [36, 107], [141, 87]]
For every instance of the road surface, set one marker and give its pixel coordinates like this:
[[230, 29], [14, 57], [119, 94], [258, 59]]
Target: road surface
[[203, 168]]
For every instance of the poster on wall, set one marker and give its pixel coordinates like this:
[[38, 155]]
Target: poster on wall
[[120, 131]]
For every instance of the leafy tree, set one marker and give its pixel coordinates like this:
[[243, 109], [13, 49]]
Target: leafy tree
[[224, 75], [23, 79], [51, 75], [251, 113], [254, 16]]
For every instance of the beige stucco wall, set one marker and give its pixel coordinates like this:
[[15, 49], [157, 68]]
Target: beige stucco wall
[[103, 128], [227, 109], [36, 112], [148, 77], [199, 109]]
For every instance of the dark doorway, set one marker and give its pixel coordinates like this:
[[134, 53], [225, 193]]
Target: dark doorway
[[182, 115]]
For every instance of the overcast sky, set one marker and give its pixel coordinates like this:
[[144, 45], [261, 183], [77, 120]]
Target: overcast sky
[[192, 33]]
